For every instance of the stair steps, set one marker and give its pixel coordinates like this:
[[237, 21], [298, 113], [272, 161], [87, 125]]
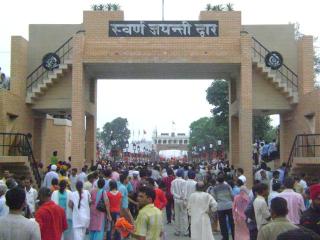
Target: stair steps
[[53, 77], [276, 81]]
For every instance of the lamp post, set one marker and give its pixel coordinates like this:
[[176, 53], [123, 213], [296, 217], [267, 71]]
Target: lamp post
[[127, 147], [219, 153], [134, 151], [113, 144], [138, 148], [211, 148]]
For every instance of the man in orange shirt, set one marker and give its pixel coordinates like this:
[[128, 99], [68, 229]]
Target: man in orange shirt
[[51, 218], [161, 200]]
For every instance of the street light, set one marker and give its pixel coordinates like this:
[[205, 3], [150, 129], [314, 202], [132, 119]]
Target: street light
[[211, 150], [138, 152], [219, 150], [134, 150], [204, 151], [113, 150], [127, 147]]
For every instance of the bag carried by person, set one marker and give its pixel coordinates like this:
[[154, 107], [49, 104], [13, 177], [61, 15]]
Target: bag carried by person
[[101, 206]]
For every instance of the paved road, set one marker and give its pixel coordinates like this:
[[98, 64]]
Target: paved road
[[169, 230]]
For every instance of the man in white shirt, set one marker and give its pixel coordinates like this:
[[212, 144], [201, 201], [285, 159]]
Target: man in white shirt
[[261, 210], [190, 184], [263, 167], [49, 176], [73, 179], [190, 188], [4, 210], [31, 195], [178, 190], [241, 176], [275, 190], [82, 176], [303, 183], [14, 225]]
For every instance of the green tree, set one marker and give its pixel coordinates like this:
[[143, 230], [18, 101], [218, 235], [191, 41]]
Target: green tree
[[316, 57], [218, 96], [106, 7], [229, 7], [116, 130], [262, 128], [218, 8], [204, 131], [208, 7]]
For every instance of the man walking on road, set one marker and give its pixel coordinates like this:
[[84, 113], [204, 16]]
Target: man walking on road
[[178, 190]]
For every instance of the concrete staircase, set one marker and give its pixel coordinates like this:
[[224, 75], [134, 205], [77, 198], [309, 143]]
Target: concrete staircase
[[273, 77], [18, 166], [283, 78], [39, 88]]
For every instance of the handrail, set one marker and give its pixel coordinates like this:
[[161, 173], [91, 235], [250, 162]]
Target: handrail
[[40, 72], [34, 164], [307, 142], [290, 159], [19, 145], [286, 74], [269, 51]]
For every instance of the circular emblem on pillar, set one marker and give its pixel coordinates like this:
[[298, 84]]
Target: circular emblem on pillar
[[274, 60], [50, 61]]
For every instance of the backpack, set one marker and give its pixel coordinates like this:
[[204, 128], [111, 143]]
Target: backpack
[[250, 216]]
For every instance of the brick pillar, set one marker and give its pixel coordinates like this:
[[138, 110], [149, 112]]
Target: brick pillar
[[234, 140], [78, 102], [19, 69], [90, 139], [305, 65], [287, 135], [245, 109], [37, 140]]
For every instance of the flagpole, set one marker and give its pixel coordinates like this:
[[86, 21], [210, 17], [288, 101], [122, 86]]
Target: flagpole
[[162, 10]]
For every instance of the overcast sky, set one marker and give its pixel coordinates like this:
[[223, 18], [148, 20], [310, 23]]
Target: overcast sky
[[149, 104]]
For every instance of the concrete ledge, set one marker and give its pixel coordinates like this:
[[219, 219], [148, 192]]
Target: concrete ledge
[[62, 122], [13, 159], [306, 160], [234, 108]]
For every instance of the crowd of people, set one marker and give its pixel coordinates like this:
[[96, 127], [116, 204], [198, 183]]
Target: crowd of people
[[128, 200]]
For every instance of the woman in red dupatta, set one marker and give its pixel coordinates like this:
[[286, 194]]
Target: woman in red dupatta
[[240, 204]]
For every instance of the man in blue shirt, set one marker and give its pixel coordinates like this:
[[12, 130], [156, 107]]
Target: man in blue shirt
[[122, 187], [265, 151]]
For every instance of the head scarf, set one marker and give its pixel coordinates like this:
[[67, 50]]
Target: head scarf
[[240, 204], [314, 191]]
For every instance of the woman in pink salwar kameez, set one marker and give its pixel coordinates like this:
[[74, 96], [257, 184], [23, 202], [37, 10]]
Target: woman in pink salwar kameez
[[240, 204]]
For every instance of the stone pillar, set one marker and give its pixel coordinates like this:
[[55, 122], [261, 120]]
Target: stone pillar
[[287, 135], [245, 109], [305, 65], [234, 140], [19, 63], [78, 103], [90, 139]]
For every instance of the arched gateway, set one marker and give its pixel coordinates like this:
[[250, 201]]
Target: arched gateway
[[105, 46]]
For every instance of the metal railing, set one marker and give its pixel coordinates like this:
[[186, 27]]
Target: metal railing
[[40, 73], [17, 144], [304, 145], [287, 76]]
